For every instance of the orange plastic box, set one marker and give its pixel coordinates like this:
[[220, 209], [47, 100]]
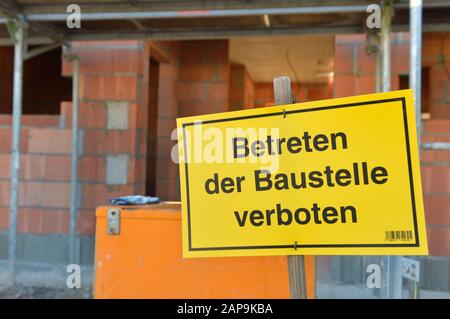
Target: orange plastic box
[[138, 255]]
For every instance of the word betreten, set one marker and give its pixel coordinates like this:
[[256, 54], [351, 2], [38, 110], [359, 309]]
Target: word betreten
[[294, 144]]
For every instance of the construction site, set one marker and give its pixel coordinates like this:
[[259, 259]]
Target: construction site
[[88, 113]]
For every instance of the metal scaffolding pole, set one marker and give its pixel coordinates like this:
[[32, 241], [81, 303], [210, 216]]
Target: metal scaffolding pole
[[385, 46], [18, 31], [393, 265], [73, 251], [378, 67], [415, 58]]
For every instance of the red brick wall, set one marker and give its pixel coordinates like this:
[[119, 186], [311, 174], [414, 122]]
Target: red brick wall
[[354, 69], [354, 74], [436, 187], [44, 199], [110, 73], [436, 164], [436, 56]]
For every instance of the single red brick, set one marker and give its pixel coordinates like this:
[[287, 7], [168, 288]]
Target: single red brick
[[192, 91], [95, 61], [56, 221], [32, 167], [5, 188], [5, 166], [428, 138], [436, 179], [200, 72], [98, 141], [437, 126], [40, 120], [437, 209], [439, 241], [442, 138], [90, 115], [345, 85], [440, 111], [365, 84], [121, 87], [30, 220], [86, 223], [58, 168], [442, 156], [6, 140], [50, 141], [5, 120], [91, 168], [4, 218]]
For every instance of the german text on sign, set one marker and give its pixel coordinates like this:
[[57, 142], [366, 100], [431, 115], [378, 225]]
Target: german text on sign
[[334, 177]]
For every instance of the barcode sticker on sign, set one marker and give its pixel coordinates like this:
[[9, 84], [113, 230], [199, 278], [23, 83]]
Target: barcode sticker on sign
[[402, 235]]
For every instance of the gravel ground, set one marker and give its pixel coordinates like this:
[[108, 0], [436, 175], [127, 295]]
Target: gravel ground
[[23, 292]]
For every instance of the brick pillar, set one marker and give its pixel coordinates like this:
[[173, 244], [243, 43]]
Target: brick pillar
[[241, 88], [112, 121], [204, 76]]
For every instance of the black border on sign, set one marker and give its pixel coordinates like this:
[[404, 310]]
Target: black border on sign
[[408, 155]]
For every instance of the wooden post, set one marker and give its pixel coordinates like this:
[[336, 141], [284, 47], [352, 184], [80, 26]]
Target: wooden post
[[296, 264]]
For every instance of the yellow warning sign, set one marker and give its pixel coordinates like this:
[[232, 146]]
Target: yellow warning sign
[[332, 177]]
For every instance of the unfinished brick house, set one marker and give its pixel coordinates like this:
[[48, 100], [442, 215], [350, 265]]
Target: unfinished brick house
[[131, 92]]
